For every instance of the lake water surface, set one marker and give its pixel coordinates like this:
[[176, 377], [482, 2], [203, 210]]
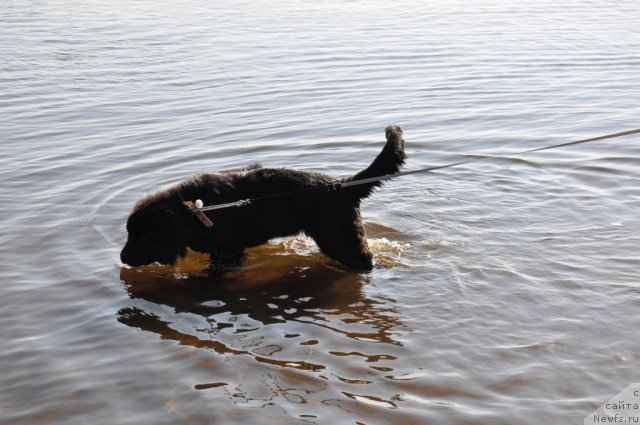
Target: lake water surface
[[505, 292]]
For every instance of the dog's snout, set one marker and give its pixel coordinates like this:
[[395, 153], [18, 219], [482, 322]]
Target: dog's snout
[[129, 257], [124, 255]]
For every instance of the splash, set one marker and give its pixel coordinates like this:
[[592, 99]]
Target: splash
[[388, 253]]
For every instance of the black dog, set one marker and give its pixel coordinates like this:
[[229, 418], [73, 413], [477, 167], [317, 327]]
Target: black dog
[[161, 227]]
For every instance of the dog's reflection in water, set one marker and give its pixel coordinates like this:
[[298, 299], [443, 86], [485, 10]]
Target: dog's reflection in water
[[222, 308]]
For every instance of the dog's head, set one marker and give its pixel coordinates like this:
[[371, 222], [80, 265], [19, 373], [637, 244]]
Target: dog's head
[[157, 232]]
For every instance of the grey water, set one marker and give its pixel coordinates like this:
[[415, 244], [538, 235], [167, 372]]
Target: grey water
[[505, 291]]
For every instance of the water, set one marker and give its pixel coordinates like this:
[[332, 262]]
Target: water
[[506, 291]]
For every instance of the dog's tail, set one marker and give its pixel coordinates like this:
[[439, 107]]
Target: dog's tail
[[387, 162]]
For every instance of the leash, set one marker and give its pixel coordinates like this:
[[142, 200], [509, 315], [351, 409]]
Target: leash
[[342, 185]]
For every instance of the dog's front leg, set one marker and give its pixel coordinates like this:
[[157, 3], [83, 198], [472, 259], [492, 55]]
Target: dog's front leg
[[226, 264], [227, 259], [225, 254]]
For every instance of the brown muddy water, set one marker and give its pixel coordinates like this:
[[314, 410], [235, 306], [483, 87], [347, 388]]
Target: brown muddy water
[[505, 292]]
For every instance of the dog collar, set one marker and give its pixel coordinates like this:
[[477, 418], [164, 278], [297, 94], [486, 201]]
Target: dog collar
[[195, 209]]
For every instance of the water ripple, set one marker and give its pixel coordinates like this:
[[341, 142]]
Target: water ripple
[[504, 290]]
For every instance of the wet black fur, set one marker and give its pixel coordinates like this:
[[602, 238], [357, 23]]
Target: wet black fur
[[160, 228]]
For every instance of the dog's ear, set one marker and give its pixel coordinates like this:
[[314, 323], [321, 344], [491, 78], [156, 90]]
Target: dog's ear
[[172, 232]]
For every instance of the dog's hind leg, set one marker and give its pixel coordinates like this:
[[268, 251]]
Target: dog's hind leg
[[342, 237]]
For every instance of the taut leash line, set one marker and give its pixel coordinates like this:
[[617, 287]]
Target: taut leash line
[[455, 164], [341, 185]]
